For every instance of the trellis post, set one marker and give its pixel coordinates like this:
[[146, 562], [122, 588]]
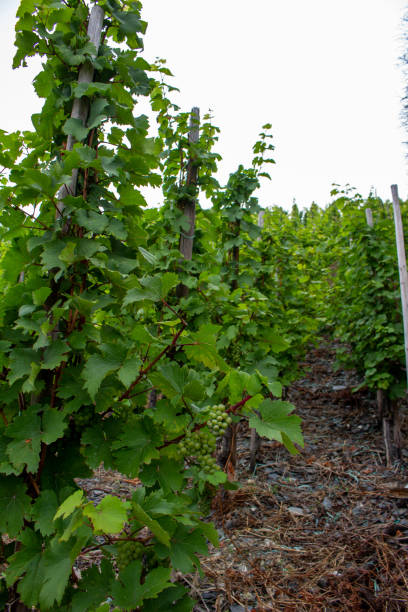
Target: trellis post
[[80, 107], [188, 204], [402, 266]]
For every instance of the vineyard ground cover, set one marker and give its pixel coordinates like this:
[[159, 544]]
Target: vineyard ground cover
[[324, 530]]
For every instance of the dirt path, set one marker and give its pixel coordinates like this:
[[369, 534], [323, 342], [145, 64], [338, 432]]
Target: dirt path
[[324, 530]]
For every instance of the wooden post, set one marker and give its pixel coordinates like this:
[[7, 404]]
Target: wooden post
[[188, 205], [385, 412], [255, 440], [403, 276], [369, 217], [402, 266], [80, 107], [261, 215]]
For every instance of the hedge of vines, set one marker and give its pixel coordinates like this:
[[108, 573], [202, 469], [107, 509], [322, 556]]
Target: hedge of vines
[[104, 361], [101, 362]]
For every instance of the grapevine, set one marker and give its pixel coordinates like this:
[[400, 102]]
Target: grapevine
[[91, 324]]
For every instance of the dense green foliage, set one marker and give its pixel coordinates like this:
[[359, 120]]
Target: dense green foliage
[[104, 363], [101, 363], [365, 301], [340, 276]]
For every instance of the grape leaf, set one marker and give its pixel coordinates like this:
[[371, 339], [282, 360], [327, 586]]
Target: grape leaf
[[135, 446], [57, 565], [155, 528], [185, 545], [15, 505], [43, 512], [25, 430], [53, 425], [55, 354], [109, 516], [128, 372], [94, 587], [75, 128], [153, 288], [70, 504], [276, 423], [165, 471], [29, 561], [128, 593], [201, 347], [20, 363], [95, 370]]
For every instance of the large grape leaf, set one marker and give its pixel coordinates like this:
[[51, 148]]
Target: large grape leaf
[[55, 354], [153, 288], [71, 503], [129, 370], [53, 425], [155, 528], [96, 444], [57, 563], [95, 370], [276, 423], [43, 512], [175, 599], [15, 505], [27, 562], [201, 347], [136, 445], [94, 587], [165, 471], [185, 544], [20, 363], [128, 593], [26, 434], [109, 516]]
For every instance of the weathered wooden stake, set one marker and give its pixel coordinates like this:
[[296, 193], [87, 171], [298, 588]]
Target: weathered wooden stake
[[402, 266], [80, 107], [255, 441], [369, 217], [388, 410], [188, 204]]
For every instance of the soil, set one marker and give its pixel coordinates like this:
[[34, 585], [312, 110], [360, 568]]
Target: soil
[[324, 530]]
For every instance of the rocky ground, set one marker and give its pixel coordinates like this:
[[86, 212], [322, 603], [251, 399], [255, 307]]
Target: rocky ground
[[323, 530]]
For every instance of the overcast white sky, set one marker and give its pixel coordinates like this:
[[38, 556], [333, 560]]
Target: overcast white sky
[[325, 73]]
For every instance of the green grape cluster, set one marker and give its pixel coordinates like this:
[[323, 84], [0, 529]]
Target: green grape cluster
[[128, 551], [124, 409], [235, 353], [84, 416], [200, 445], [218, 420]]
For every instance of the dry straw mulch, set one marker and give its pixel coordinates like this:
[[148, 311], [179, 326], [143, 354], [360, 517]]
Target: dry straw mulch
[[324, 530]]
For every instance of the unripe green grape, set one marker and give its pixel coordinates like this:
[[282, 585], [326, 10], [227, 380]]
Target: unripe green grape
[[123, 410], [128, 551], [218, 420], [84, 416], [199, 446]]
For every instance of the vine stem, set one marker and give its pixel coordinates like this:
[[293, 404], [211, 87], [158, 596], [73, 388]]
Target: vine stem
[[27, 214], [143, 372], [239, 404], [175, 312]]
